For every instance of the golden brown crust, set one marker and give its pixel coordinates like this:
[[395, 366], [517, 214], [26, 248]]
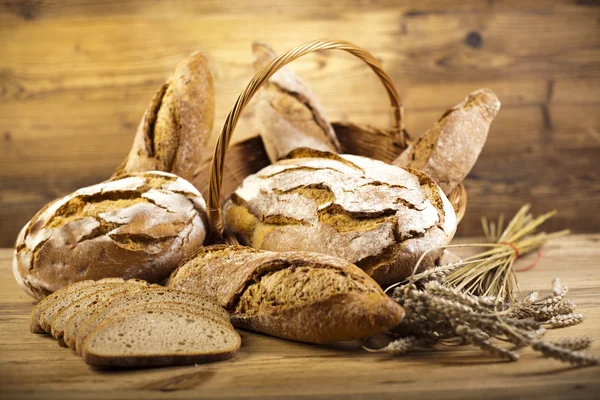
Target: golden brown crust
[[177, 124], [448, 150], [288, 114], [137, 226], [377, 216], [344, 311]]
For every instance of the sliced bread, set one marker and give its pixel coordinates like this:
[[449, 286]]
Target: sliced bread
[[155, 336], [40, 307], [122, 302], [51, 310], [60, 320]]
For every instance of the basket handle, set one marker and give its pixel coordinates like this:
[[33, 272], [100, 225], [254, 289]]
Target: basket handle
[[215, 217]]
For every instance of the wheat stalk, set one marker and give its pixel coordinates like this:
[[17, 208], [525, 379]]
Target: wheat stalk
[[477, 300], [492, 273]]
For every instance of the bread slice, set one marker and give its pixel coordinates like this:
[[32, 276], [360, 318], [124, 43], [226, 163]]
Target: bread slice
[[39, 308], [100, 296], [76, 333], [68, 298], [157, 336]]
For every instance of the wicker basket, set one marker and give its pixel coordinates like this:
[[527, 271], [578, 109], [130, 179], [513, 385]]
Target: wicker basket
[[249, 156]]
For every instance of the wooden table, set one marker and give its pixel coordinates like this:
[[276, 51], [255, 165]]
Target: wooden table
[[33, 366], [76, 77]]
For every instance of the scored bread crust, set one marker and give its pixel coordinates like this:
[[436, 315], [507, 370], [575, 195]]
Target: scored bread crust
[[140, 360], [448, 150], [137, 226], [177, 124], [223, 273], [380, 217], [288, 114]]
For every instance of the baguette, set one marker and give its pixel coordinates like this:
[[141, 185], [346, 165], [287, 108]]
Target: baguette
[[177, 124], [448, 150], [302, 296], [288, 114]]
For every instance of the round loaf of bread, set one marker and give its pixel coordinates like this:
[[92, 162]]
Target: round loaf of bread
[[378, 216], [137, 226]]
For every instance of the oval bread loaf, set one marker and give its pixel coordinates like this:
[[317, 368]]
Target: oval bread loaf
[[308, 297], [177, 124], [136, 226], [288, 114], [380, 217], [448, 150]]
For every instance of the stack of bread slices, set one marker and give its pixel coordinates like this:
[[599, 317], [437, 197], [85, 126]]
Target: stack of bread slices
[[131, 323]]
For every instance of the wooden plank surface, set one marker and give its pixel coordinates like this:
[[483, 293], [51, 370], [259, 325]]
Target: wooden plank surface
[[76, 76], [34, 366]]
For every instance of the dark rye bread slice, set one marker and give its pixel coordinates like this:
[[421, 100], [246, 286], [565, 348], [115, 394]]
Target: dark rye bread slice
[[303, 296], [64, 300], [157, 336], [60, 320], [123, 302], [40, 307]]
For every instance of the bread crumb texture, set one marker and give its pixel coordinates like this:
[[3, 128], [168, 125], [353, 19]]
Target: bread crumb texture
[[378, 216], [136, 226]]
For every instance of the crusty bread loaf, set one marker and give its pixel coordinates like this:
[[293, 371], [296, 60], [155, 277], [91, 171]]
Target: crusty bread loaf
[[125, 301], [448, 150], [302, 296], [137, 226], [380, 217], [177, 123], [157, 336], [99, 296], [288, 115]]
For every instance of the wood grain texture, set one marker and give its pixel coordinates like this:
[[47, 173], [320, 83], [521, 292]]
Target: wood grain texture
[[75, 78], [34, 366]]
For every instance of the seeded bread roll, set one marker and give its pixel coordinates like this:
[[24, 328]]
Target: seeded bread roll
[[380, 217], [177, 123], [158, 336], [137, 226], [448, 150], [308, 297], [288, 114]]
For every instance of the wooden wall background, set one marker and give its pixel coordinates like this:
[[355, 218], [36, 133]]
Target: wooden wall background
[[76, 76]]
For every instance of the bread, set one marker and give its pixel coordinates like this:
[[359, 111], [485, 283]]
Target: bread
[[380, 217], [158, 336], [177, 124], [75, 335], [302, 296], [99, 296], [50, 311], [288, 115], [36, 314], [137, 226], [448, 150]]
